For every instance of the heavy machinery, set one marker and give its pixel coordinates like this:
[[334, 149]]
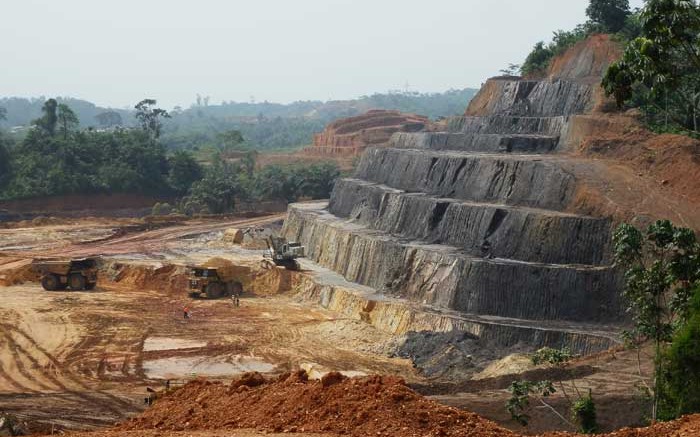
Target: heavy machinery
[[284, 253], [213, 282], [78, 274]]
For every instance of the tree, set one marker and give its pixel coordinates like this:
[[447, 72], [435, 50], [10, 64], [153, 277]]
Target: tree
[[222, 184], [319, 179], [48, 120], [184, 171], [511, 70], [67, 120], [660, 70], [662, 268], [231, 139], [680, 379], [109, 119], [3, 113], [581, 408], [150, 117], [5, 162], [611, 14]]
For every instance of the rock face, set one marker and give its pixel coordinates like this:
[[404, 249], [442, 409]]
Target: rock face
[[350, 136], [474, 220]]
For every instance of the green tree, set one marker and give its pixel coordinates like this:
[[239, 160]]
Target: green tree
[[3, 113], [67, 120], [660, 70], [47, 122], [319, 179], [218, 191], [184, 171], [109, 119], [611, 14], [5, 162], [150, 117], [231, 139], [662, 268], [680, 379]]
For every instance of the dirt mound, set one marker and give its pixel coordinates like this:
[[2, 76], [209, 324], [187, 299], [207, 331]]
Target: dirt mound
[[168, 278], [667, 164], [587, 60], [17, 271], [350, 136], [364, 406]]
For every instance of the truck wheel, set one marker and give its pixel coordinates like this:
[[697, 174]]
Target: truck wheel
[[292, 265], [50, 282], [234, 288], [215, 290], [77, 282]]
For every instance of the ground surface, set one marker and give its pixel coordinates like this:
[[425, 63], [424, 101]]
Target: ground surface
[[82, 360]]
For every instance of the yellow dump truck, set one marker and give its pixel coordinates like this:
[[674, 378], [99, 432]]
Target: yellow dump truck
[[213, 282], [76, 274]]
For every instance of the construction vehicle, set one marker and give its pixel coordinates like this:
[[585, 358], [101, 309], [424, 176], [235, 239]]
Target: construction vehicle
[[284, 253], [213, 282], [76, 274]]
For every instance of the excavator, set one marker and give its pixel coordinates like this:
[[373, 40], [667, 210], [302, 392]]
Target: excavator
[[215, 281], [284, 253]]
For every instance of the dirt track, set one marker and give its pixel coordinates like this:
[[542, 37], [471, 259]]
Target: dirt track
[[83, 359]]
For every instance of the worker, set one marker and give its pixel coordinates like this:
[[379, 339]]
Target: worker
[[186, 312]]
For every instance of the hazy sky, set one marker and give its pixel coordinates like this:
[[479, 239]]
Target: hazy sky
[[120, 51]]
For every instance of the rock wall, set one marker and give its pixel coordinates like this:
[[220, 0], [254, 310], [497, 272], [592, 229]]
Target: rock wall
[[472, 220], [350, 136]]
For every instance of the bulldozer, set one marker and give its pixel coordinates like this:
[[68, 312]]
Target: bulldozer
[[76, 274], [213, 282], [284, 253]]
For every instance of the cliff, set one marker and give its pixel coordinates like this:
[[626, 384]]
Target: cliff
[[350, 136], [484, 220]]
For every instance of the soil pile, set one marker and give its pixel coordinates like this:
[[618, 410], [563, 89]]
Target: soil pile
[[373, 405], [17, 271]]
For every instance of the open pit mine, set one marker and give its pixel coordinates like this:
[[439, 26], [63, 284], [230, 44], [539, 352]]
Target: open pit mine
[[472, 229], [453, 251]]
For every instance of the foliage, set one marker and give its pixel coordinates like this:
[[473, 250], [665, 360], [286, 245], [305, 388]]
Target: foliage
[[548, 355], [662, 268], [217, 192], [150, 117], [583, 412], [3, 113], [47, 122], [511, 70], [109, 118], [660, 70], [610, 14], [5, 169], [521, 391], [226, 183], [161, 208], [184, 170], [67, 120], [76, 162], [680, 377]]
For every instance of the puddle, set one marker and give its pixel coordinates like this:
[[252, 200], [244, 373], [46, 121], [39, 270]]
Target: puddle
[[169, 344], [172, 368]]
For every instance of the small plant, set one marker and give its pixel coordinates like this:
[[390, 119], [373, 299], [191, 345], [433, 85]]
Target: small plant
[[583, 412], [520, 397], [548, 355]]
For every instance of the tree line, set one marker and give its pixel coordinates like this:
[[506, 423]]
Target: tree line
[[56, 157]]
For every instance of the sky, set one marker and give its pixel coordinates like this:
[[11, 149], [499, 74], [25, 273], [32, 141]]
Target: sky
[[115, 53]]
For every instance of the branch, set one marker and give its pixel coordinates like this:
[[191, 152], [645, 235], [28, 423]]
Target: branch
[[553, 410]]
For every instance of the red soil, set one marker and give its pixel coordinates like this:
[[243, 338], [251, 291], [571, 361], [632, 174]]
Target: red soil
[[373, 405], [350, 136]]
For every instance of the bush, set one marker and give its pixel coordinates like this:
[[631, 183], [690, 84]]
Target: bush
[[584, 413], [680, 369]]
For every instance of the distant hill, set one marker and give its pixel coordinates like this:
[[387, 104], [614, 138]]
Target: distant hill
[[21, 111], [265, 125]]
